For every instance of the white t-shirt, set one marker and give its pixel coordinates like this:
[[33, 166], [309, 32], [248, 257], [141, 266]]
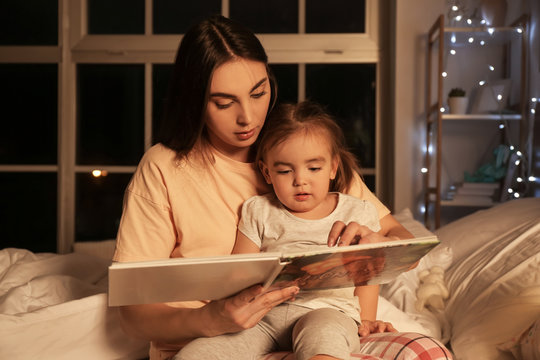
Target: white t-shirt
[[267, 223]]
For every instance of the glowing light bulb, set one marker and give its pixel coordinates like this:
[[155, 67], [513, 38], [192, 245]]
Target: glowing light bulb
[[533, 111], [482, 42], [453, 39], [481, 82], [516, 195], [96, 173], [444, 74], [491, 31], [491, 67], [512, 147], [534, 99], [455, 8], [471, 40], [519, 30], [424, 170], [519, 179], [532, 178], [442, 109], [519, 153], [469, 21], [483, 21], [499, 97], [459, 17], [453, 52], [501, 126], [517, 162], [510, 190]]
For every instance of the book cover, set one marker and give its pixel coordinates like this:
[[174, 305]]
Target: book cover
[[212, 278]]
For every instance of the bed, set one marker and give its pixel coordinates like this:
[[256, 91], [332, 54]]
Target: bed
[[55, 306]]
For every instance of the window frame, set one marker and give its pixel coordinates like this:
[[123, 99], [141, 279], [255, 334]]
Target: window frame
[[76, 46]]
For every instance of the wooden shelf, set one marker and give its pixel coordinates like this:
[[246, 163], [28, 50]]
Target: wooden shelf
[[441, 40], [468, 203], [488, 117]]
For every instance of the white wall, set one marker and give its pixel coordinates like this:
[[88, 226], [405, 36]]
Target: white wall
[[413, 21], [414, 18]]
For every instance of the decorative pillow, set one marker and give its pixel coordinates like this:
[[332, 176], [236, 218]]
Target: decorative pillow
[[526, 345]]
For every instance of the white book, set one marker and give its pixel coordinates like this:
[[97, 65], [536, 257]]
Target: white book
[[217, 277]]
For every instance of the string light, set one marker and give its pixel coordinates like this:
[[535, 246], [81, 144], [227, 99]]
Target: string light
[[471, 40], [482, 42], [491, 67], [453, 52], [424, 170], [491, 31], [444, 74], [453, 38], [481, 82]]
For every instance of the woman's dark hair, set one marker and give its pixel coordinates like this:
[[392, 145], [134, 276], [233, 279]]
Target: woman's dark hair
[[310, 118], [204, 47]]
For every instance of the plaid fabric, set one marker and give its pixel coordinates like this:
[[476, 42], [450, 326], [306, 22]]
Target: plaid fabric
[[391, 346]]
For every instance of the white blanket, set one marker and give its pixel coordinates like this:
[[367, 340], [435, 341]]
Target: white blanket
[[55, 307]]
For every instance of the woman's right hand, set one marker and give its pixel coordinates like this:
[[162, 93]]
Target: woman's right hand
[[245, 309]]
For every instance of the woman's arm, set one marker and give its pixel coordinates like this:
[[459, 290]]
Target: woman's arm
[[167, 324], [391, 228]]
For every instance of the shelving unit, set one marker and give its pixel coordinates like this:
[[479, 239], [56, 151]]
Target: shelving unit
[[441, 41]]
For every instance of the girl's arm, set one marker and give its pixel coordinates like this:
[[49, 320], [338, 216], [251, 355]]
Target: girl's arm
[[368, 297], [244, 245], [354, 233]]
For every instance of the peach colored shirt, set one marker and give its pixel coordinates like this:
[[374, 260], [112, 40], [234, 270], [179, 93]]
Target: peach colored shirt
[[190, 207]]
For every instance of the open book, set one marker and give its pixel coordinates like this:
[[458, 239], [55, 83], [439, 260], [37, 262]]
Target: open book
[[212, 278]]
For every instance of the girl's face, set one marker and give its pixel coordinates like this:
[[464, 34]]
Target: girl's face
[[300, 170], [237, 106]]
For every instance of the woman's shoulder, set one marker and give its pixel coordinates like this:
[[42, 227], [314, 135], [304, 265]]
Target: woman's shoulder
[[159, 155]]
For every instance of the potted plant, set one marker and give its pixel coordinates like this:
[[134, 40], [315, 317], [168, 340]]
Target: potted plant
[[457, 101]]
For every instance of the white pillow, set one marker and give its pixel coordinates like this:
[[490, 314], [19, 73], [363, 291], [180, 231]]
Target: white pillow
[[494, 279]]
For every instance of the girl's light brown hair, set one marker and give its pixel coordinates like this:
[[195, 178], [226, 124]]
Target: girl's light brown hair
[[311, 118]]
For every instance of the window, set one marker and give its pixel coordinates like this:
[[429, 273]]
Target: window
[[83, 104]]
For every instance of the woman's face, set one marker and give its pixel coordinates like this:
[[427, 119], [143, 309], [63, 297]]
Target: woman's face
[[237, 106]]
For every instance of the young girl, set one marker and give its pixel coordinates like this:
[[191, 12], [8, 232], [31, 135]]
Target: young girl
[[185, 197], [303, 157]]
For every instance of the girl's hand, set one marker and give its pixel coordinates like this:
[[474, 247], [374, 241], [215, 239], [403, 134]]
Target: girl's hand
[[372, 327], [245, 309], [353, 233]]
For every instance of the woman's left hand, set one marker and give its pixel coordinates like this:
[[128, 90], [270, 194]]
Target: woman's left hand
[[353, 233], [372, 327]]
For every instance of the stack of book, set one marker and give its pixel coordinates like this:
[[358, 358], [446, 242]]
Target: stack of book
[[475, 193]]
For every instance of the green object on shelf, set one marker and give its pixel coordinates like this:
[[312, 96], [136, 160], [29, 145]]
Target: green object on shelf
[[494, 170]]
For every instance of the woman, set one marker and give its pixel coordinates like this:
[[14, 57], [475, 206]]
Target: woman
[[184, 199]]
